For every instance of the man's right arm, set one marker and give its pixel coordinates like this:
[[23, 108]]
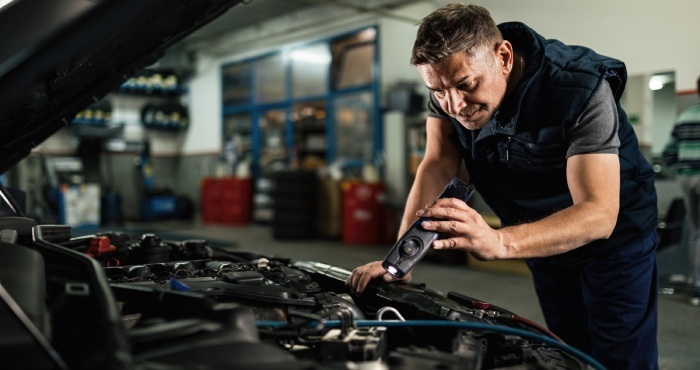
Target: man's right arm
[[440, 163]]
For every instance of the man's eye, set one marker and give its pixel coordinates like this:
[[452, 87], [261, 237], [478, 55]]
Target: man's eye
[[439, 93], [467, 85]]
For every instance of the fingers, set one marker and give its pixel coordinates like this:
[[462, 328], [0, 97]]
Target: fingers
[[445, 208], [450, 243], [391, 278], [361, 276], [445, 227], [449, 216], [449, 203]]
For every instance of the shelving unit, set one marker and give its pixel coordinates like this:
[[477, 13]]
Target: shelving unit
[[150, 107], [238, 130], [310, 134], [403, 154], [158, 95], [152, 99], [415, 139]]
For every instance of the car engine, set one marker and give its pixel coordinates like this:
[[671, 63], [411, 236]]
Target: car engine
[[111, 301]]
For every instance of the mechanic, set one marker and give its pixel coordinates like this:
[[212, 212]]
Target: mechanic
[[537, 127]]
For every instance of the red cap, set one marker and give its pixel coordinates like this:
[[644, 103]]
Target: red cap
[[99, 245], [480, 305]]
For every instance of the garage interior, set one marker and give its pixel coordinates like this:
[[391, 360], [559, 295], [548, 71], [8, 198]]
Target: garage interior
[[294, 128]]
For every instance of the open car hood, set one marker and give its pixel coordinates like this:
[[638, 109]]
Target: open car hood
[[59, 56]]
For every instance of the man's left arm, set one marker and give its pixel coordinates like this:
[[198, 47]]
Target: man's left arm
[[593, 176], [594, 182]]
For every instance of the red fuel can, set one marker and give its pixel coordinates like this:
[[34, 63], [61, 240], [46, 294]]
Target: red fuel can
[[227, 200]]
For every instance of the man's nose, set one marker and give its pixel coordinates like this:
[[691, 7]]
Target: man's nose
[[455, 102]]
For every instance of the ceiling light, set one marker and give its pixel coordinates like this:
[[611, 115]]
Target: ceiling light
[[656, 84], [5, 2], [659, 80]]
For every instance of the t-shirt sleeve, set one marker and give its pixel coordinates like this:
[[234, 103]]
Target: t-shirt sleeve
[[595, 131], [434, 109]]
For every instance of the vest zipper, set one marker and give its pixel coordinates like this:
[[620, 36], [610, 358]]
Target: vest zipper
[[508, 149]]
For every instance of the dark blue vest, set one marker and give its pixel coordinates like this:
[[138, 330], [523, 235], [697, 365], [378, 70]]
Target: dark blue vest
[[517, 161]]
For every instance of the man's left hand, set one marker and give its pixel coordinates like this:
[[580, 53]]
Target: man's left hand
[[461, 227]]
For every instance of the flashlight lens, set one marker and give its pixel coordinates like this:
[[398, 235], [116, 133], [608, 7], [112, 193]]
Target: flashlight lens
[[392, 270]]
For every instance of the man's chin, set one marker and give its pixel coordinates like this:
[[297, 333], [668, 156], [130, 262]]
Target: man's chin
[[475, 121], [472, 125]]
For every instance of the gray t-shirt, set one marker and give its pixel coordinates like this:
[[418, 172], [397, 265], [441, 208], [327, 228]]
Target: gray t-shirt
[[595, 131]]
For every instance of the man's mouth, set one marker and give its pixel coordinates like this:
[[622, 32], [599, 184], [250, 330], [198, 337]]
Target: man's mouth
[[467, 115], [472, 118]]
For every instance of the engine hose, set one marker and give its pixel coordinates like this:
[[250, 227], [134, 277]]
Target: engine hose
[[502, 313], [593, 363]]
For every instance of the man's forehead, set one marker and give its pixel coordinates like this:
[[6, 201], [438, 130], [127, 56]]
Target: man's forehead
[[449, 73]]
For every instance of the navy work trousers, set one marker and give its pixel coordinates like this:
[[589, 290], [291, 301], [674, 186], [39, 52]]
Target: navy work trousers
[[605, 307]]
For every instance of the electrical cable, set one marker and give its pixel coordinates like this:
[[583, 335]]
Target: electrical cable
[[536, 326], [462, 325], [383, 310]]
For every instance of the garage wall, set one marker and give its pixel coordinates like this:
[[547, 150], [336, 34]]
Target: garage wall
[[643, 35], [649, 36]]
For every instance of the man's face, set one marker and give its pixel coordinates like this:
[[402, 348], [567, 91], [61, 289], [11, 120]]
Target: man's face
[[468, 89]]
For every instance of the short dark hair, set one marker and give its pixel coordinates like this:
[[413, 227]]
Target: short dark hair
[[451, 29]]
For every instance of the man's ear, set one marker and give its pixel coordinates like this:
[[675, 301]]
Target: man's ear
[[503, 53]]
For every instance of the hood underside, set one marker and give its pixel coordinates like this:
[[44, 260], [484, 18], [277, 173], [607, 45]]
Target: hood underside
[[59, 56]]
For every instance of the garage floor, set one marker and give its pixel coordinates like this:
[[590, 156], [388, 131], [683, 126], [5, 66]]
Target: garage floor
[[679, 322]]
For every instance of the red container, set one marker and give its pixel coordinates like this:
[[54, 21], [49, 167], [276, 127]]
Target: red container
[[209, 200], [236, 201], [364, 213], [227, 200]]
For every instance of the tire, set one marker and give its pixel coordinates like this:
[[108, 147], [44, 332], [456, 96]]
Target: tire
[[294, 203]]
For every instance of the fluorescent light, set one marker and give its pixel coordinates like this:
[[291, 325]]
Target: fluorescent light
[[310, 56]]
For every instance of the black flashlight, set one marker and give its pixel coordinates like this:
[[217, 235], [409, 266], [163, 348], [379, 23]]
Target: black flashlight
[[414, 244]]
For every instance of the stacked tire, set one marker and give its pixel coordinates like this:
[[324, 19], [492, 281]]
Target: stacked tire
[[294, 204]]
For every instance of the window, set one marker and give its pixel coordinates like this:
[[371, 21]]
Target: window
[[327, 88], [269, 79], [353, 58], [272, 128], [354, 120], [236, 82], [310, 70]]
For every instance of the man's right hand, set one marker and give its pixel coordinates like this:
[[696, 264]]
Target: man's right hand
[[361, 276]]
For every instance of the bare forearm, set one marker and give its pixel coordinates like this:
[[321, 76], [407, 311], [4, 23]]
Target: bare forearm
[[429, 182], [442, 161], [595, 189], [559, 233]]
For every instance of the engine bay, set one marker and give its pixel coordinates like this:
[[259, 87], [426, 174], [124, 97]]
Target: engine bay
[[114, 301]]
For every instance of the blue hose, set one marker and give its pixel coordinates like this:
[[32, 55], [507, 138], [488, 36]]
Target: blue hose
[[461, 325]]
